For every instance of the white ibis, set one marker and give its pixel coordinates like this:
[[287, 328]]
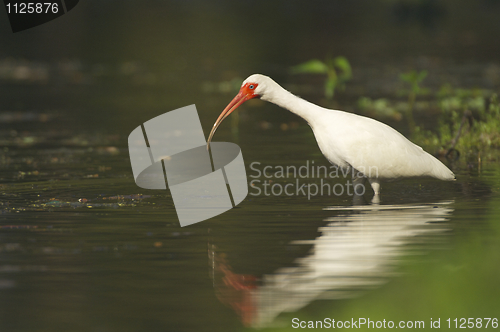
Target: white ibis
[[347, 140]]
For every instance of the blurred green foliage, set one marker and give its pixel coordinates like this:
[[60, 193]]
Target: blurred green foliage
[[414, 79], [338, 71], [381, 107], [469, 122]]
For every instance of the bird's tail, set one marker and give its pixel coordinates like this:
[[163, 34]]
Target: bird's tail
[[440, 171]]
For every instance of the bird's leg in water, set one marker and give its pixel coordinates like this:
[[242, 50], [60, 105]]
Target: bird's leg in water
[[376, 189]]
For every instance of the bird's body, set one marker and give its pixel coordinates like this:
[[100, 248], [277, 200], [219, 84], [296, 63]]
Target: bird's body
[[348, 140]]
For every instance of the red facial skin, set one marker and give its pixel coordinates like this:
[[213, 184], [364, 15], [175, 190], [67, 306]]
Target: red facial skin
[[247, 92]]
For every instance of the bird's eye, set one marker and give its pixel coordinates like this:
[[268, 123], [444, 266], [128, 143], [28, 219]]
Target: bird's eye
[[251, 86]]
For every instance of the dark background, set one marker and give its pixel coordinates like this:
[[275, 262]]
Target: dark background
[[125, 61]]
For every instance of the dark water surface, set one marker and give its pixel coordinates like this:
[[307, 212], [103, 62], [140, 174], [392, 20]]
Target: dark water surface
[[83, 249]]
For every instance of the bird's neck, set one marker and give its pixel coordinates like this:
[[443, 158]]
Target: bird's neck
[[281, 97]]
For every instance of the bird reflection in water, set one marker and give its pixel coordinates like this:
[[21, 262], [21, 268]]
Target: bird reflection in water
[[358, 249]]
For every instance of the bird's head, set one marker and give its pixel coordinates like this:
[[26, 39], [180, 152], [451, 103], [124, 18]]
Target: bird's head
[[255, 86]]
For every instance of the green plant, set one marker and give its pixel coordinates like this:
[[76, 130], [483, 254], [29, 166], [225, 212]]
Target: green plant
[[469, 124], [413, 78], [338, 72], [381, 108]]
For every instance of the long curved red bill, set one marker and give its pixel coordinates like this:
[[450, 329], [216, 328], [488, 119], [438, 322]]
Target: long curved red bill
[[247, 91]]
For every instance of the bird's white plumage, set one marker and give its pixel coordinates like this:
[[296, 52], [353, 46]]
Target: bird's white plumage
[[346, 139], [374, 148]]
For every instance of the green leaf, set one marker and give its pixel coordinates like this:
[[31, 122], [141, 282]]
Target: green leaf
[[343, 64], [413, 77], [421, 76], [408, 77], [310, 67], [330, 85]]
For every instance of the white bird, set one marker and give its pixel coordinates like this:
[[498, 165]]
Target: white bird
[[347, 140]]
